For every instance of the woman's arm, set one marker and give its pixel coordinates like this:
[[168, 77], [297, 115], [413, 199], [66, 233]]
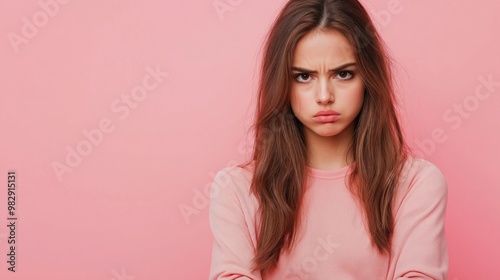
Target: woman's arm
[[419, 242], [233, 248]]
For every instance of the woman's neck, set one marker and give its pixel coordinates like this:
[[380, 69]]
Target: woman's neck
[[329, 153]]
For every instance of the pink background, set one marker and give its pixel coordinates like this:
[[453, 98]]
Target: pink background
[[117, 214]]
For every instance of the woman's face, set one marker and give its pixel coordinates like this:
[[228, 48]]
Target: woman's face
[[325, 78]]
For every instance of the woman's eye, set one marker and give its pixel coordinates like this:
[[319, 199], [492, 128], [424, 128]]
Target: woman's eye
[[344, 75], [302, 77]]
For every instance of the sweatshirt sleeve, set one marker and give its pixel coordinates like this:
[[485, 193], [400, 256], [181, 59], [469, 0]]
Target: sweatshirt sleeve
[[233, 248], [419, 242]]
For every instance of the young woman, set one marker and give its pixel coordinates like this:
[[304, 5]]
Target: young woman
[[332, 190]]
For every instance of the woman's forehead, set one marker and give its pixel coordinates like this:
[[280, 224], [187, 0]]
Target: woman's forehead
[[323, 47]]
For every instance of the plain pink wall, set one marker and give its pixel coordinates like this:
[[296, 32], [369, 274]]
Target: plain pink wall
[[68, 69]]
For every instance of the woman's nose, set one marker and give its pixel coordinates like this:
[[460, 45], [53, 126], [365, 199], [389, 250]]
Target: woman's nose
[[325, 92]]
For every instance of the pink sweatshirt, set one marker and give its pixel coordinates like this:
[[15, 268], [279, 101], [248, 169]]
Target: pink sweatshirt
[[333, 241]]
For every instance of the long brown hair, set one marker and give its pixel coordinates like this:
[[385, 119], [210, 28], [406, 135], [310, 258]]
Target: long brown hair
[[280, 154]]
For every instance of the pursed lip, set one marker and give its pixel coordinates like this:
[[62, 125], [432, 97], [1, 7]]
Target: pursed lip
[[326, 113]]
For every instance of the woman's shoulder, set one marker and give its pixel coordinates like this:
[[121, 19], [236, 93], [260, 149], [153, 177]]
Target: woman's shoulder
[[231, 188], [415, 167], [237, 171], [421, 179], [237, 177]]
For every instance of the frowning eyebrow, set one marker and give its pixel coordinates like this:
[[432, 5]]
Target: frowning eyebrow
[[336, 69]]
